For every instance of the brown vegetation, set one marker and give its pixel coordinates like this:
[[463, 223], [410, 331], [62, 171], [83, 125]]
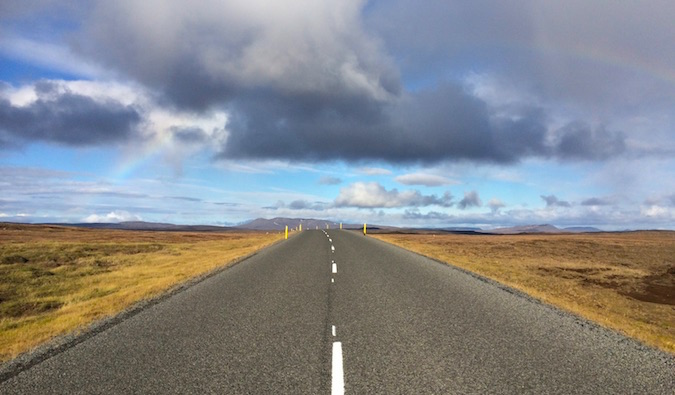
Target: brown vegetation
[[55, 280], [625, 281]]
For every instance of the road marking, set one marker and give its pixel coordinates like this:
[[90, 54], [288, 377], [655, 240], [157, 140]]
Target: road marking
[[332, 248], [334, 268], [332, 280], [329, 239], [333, 330], [338, 385]]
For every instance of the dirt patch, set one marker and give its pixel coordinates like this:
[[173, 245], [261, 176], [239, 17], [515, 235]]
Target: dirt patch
[[23, 309], [656, 289], [12, 259]]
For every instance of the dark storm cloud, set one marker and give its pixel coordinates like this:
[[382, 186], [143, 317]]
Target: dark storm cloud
[[68, 118], [209, 53], [317, 81], [553, 201], [579, 141], [446, 123]]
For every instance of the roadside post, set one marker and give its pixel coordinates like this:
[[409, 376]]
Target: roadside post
[[286, 233], [364, 229]]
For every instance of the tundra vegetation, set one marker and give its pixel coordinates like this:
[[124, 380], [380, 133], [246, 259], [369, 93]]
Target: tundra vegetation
[[624, 281], [56, 280]]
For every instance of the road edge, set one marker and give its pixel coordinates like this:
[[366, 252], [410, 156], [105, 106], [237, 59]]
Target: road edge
[[586, 323], [59, 344]]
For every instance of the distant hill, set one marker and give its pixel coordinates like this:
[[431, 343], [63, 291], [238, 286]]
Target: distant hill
[[292, 223], [155, 226], [546, 228], [582, 229], [526, 229], [461, 229], [278, 224]]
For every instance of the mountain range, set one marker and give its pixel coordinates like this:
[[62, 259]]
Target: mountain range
[[279, 224]]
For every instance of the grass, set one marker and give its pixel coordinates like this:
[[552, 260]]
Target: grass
[[624, 281], [57, 280]]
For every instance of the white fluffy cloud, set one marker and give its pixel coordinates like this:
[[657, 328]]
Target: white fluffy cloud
[[112, 217], [374, 195], [428, 180]]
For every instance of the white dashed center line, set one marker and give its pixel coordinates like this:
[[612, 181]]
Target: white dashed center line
[[338, 380], [338, 386]]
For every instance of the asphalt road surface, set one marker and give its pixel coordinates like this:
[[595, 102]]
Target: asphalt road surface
[[336, 311]]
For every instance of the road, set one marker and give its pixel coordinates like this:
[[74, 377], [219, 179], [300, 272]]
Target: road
[[332, 311]]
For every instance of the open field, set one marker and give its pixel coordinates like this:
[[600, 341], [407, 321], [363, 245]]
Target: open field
[[624, 281], [55, 280]]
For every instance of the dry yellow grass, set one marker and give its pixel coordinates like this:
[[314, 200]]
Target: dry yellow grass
[[56, 280], [624, 281]]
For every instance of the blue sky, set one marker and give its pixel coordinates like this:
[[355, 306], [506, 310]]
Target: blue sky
[[457, 113]]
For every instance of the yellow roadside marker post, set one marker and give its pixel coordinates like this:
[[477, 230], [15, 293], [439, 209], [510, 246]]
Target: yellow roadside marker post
[[340, 225], [286, 233], [364, 229], [300, 227]]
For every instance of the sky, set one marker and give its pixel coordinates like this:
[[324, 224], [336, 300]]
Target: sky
[[394, 112]]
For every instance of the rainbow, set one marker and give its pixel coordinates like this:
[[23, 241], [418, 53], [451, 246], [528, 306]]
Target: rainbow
[[131, 162]]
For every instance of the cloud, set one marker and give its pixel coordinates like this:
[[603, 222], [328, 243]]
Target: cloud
[[62, 116], [68, 118], [429, 180], [442, 124], [374, 195], [322, 81], [48, 55], [558, 50], [305, 205], [416, 215], [112, 217], [329, 180], [579, 141], [336, 95], [598, 201], [495, 205], [373, 171], [212, 52], [471, 199], [186, 199], [189, 135], [658, 213], [663, 200], [553, 201]]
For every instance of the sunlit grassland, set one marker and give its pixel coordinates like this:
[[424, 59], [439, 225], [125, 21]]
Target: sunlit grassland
[[56, 280], [624, 281]]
